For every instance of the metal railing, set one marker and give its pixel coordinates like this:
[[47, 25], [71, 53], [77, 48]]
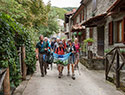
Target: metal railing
[[117, 57]]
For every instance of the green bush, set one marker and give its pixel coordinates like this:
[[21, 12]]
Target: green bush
[[12, 36]]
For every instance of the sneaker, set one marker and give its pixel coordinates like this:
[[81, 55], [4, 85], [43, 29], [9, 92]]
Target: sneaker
[[76, 66], [73, 77], [59, 75], [42, 75], [68, 74]]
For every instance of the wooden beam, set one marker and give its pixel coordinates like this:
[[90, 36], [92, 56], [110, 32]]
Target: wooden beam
[[6, 83], [117, 71], [24, 71]]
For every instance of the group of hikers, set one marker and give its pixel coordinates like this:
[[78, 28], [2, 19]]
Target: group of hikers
[[59, 47]]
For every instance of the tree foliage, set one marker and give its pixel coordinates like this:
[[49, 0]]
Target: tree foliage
[[21, 22], [30, 13], [59, 12]]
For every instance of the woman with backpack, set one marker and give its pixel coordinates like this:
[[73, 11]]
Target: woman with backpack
[[71, 48], [60, 51], [77, 46]]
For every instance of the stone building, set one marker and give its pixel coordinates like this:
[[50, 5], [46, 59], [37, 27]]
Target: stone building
[[105, 23], [68, 23], [77, 29], [101, 20]]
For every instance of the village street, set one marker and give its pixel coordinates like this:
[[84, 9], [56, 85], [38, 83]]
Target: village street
[[87, 83]]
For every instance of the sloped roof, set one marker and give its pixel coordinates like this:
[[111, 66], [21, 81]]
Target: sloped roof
[[93, 21]]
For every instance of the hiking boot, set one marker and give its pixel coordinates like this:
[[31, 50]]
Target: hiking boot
[[76, 66], [45, 72], [60, 75], [42, 75], [68, 74], [73, 76]]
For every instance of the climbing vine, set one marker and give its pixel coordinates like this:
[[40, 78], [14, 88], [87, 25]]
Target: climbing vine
[[12, 36]]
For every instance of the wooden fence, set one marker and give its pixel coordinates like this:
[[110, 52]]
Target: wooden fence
[[4, 73], [118, 57]]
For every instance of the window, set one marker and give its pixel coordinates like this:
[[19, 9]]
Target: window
[[83, 15], [91, 32], [119, 31], [74, 21], [80, 17], [124, 30], [94, 7], [111, 33]]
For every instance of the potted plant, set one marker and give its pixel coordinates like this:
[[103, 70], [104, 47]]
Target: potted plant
[[89, 41], [123, 52], [75, 33], [79, 33]]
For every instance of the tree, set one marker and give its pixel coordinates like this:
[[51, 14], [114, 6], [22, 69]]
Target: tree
[[30, 13]]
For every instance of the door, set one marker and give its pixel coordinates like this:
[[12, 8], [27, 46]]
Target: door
[[100, 41]]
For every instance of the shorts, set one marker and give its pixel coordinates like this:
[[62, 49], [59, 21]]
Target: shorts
[[71, 59], [77, 56]]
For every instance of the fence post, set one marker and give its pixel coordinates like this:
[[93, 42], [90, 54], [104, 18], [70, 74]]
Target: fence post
[[117, 71], [106, 68], [24, 69], [6, 83]]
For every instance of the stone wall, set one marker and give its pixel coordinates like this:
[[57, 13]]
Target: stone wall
[[108, 20], [102, 7]]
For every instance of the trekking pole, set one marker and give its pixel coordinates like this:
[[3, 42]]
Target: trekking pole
[[79, 71]]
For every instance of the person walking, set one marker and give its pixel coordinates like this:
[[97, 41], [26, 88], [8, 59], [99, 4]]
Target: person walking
[[64, 43], [77, 46], [60, 51], [41, 48], [56, 45], [71, 48]]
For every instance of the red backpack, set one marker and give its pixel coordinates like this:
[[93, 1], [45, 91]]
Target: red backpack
[[60, 51]]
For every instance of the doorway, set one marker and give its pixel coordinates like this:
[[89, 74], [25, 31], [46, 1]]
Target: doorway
[[100, 40]]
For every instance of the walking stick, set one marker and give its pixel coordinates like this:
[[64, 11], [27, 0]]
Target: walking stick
[[79, 71]]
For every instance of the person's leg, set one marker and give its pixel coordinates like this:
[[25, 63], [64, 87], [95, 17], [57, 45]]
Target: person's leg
[[77, 59], [73, 74], [62, 70], [59, 69], [45, 67], [41, 64], [73, 62], [72, 68], [68, 67]]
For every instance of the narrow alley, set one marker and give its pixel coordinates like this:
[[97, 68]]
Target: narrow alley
[[86, 83]]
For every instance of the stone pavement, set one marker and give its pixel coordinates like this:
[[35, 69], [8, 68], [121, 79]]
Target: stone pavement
[[88, 83]]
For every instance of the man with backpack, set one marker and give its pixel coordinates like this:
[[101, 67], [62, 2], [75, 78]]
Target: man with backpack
[[41, 48], [71, 48], [56, 45], [60, 51]]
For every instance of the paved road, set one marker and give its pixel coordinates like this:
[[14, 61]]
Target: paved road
[[88, 83]]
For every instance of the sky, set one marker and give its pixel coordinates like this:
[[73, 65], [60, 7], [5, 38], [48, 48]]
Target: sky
[[64, 3]]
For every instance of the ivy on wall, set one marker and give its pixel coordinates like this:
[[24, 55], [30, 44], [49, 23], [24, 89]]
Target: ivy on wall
[[12, 36]]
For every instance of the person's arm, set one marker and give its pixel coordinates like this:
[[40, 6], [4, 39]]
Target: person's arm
[[74, 49], [37, 53], [56, 51]]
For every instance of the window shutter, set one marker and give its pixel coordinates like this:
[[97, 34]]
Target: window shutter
[[83, 15], [91, 32], [111, 33], [123, 30]]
